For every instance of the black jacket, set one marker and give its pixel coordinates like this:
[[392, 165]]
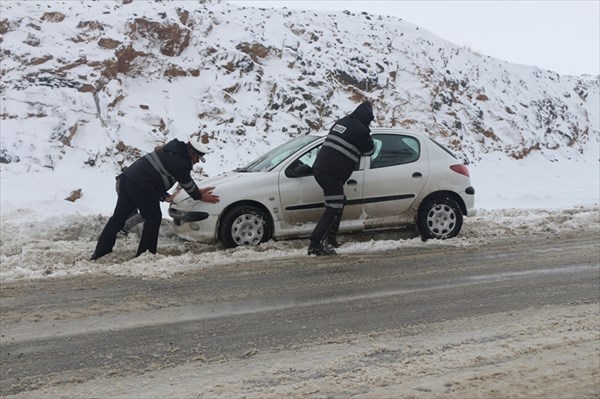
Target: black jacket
[[161, 169], [348, 140]]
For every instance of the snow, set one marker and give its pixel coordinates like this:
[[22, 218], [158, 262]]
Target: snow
[[552, 191]]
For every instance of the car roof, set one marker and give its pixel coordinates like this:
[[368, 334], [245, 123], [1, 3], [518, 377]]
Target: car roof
[[379, 130], [393, 130]]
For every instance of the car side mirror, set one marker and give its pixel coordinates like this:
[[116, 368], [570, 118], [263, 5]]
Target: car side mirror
[[299, 171]]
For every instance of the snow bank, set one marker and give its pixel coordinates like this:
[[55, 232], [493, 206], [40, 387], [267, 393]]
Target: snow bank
[[60, 246], [45, 236]]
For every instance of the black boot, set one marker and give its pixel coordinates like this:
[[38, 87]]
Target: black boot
[[320, 250], [331, 238], [332, 241]]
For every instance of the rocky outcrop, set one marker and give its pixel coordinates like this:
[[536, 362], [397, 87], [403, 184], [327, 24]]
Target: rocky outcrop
[[170, 38], [234, 73]]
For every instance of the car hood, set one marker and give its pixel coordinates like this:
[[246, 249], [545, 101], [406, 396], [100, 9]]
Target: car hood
[[222, 178], [230, 187]]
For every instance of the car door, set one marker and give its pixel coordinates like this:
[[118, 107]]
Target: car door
[[395, 175], [302, 198]]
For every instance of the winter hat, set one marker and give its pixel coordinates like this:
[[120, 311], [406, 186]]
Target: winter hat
[[364, 113], [200, 148]]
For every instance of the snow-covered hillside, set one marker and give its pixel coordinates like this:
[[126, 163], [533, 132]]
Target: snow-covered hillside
[[89, 86], [100, 82]]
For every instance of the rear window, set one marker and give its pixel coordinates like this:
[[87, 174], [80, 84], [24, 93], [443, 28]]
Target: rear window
[[444, 148], [394, 149]]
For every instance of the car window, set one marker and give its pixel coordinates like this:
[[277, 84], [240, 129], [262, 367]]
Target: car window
[[394, 149], [302, 166], [310, 157], [274, 157]]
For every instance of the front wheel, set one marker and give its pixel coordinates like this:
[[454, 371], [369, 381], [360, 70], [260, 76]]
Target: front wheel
[[244, 225], [440, 218]]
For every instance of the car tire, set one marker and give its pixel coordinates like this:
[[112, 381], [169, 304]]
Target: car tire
[[440, 218], [244, 225]]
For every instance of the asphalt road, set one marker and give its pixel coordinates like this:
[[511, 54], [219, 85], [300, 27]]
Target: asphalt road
[[61, 331]]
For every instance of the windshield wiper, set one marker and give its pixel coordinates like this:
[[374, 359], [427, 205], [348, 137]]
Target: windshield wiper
[[241, 170]]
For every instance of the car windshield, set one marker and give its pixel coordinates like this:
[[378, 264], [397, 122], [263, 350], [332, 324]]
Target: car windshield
[[277, 155]]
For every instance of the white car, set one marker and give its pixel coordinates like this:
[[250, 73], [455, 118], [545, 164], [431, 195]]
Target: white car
[[409, 180]]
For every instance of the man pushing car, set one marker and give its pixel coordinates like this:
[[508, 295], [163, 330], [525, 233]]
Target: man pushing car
[[143, 183], [348, 140]]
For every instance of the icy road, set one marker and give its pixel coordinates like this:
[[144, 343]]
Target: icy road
[[513, 318]]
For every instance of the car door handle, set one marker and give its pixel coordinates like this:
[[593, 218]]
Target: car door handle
[[352, 182], [416, 175]]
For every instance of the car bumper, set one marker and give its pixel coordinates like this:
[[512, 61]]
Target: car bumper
[[469, 199], [202, 230], [187, 217]]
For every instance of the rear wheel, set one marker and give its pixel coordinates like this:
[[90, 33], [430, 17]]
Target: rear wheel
[[439, 217], [244, 225]]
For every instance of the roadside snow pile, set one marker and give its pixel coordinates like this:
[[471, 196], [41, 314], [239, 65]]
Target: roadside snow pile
[[60, 246]]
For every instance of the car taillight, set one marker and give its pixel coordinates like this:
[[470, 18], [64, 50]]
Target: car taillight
[[462, 169]]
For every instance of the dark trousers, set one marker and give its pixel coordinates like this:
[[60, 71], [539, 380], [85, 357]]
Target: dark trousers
[[132, 197], [333, 193], [135, 218]]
